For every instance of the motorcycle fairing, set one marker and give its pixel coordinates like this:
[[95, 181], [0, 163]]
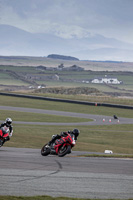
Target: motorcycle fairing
[[63, 141], [3, 135]]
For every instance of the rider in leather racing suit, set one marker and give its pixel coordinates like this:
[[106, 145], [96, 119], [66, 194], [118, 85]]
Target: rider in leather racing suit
[[8, 124], [75, 132]]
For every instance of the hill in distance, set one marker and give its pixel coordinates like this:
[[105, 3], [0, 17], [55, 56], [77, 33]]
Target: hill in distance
[[52, 62], [17, 42]]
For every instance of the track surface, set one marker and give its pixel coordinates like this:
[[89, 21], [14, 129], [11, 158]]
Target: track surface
[[97, 119], [25, 172]]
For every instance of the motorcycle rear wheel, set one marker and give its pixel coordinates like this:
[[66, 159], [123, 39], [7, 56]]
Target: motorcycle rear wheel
[[64, 150], [45, 150]]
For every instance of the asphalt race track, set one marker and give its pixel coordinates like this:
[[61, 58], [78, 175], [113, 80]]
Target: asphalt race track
[[24, 172], [97, 119]]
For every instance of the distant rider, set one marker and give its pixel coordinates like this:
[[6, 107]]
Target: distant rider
[[75, 132], [8, 124]]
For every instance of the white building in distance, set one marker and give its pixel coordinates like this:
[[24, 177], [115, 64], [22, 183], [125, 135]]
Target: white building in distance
[[106, 80]]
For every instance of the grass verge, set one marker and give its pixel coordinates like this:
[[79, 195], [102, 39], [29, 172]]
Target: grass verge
[[69, 107], [36, 117], [117, 138], [42, 198], [107, 155]]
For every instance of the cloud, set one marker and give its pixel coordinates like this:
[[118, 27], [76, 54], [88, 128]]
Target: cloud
[[71, 18]]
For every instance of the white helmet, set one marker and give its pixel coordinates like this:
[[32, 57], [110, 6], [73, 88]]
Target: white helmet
[[8, 121]]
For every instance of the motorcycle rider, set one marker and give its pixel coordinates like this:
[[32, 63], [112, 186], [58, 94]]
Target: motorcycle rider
[[74, 132], [8, 124]]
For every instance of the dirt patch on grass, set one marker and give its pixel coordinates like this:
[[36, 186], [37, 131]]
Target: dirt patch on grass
[[69, 91]]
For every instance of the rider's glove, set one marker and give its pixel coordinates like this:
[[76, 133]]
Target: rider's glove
[[10, 134]]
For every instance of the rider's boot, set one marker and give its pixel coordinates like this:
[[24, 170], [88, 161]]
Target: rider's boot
[[1, 143]]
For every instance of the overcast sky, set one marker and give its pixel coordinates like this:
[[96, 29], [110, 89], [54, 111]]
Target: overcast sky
[[69, 18]]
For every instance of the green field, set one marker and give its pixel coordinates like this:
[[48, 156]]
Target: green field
[[17, 75], [117, 137], [33, 117], [50, 105]]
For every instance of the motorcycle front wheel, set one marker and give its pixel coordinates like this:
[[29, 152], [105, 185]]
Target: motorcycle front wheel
[[64, 150], [45, 150]]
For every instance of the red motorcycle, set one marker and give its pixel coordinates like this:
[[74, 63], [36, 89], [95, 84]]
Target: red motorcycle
[[60, 147], [4, 134]]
